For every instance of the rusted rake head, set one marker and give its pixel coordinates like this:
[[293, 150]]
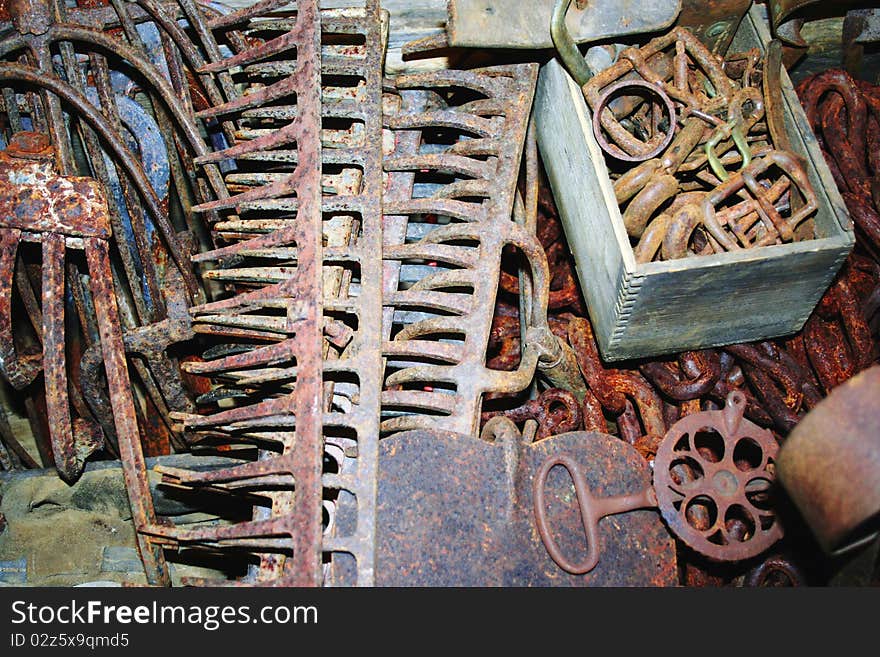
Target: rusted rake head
[[459, 140]]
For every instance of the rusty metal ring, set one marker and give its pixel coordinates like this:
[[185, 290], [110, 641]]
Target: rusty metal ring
[[712, 473], [614, 150]]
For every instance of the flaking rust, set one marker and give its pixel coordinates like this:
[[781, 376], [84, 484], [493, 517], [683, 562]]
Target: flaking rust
[[60, 213], [67, 73], [302, 329]]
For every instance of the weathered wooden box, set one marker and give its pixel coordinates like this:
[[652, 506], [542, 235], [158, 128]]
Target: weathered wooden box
[[641, 310]]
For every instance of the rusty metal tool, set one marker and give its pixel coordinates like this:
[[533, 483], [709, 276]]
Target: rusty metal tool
[[150, 189], [307, 329], [61, 213], [446, 258], [712, 478]]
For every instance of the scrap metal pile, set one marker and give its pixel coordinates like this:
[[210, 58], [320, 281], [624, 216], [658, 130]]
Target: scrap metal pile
[[726, 179], [228, 233]]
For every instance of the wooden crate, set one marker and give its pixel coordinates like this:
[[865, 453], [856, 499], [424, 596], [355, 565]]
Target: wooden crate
[[641, 310]]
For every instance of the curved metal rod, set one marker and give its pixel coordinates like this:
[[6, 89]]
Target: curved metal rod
[[95, 38], [566, 47], [102, 126], [178, 36]]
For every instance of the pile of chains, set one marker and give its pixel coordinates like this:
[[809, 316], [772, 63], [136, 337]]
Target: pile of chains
[[726, 179], [845, 117]]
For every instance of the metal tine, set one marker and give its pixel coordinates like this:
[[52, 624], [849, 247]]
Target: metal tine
[[476, 80], [279, 295], [275, 46], [273, 324], [286, 135], [279, 465], [251, 275], [454, 232], [283, 187], [408, 422], [443, 279], [444, 118], [250, 528], [447, 302], [431, 326], [232, 333], [424, 374], [284, 87], [440, 162], [261, 356], [272, 409], [342, 108], [461, 256], [464, 189], [267, 376], [330, 24], [428, 401], [443, 351], [477, 147], [483, 107], [462, 210], [280, 238], [246, 14]]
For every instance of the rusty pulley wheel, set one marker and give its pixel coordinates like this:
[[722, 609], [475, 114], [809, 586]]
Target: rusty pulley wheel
[[712, 476]]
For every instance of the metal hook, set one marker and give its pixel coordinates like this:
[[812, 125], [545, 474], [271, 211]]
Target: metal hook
[[568, 51]]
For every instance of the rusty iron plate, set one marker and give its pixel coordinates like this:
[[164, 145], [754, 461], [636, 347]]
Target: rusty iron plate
[[456, 510]]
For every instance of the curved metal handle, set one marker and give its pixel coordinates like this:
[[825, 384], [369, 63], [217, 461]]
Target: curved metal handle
[[592, 509], [568, 51], [589, 518]]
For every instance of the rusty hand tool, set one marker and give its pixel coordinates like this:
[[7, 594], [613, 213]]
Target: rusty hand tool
[[467, 192], [307, 377], [711, 489], [61, 213], [88, 64]]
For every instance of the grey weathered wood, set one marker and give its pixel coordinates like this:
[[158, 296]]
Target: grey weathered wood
[[692, 303], [518, 24]]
